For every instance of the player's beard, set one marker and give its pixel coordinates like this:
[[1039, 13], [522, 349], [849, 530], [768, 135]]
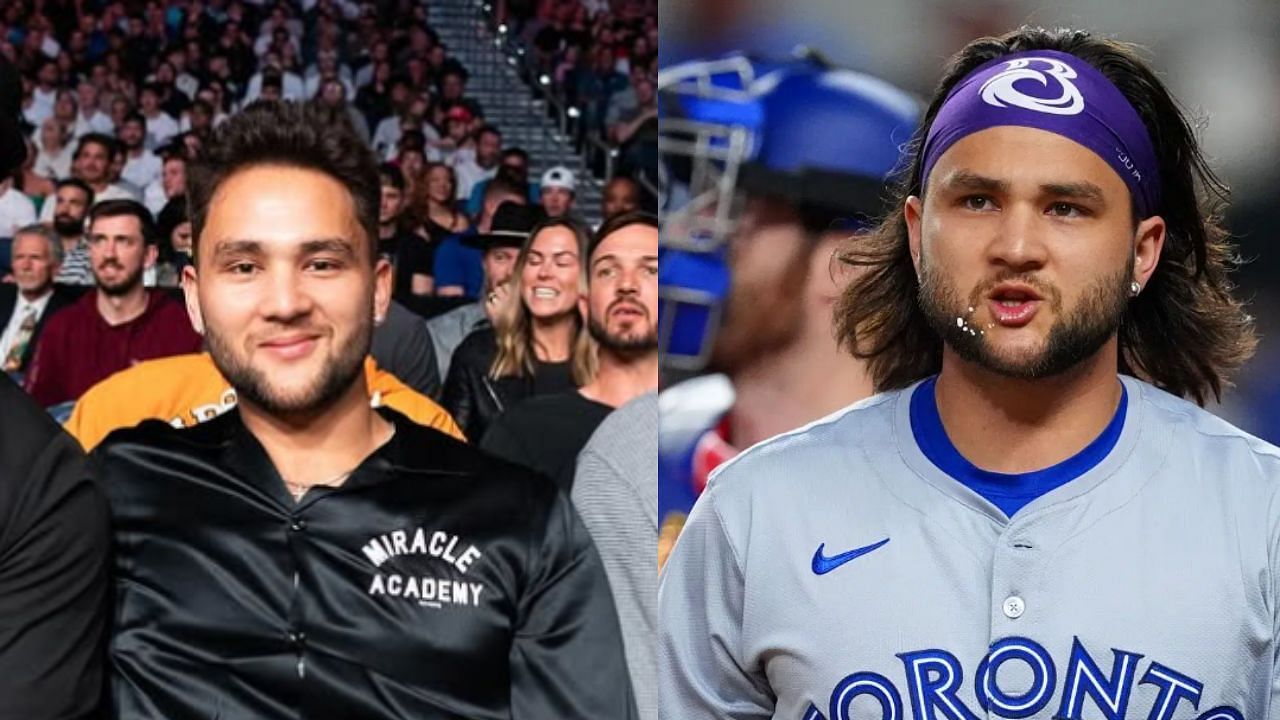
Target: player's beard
[[762, 318], [1072, 338], [341, 368]]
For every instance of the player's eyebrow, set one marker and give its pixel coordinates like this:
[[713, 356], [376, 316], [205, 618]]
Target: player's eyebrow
[[1082, 190], [965, 180]]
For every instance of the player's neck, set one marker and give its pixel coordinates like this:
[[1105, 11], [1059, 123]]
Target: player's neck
[[315, 448], [1008, 425], [785, 390], [620, 379]]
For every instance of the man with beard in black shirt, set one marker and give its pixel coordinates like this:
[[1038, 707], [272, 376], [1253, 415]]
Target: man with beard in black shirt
[[305, 556], [547, 432]]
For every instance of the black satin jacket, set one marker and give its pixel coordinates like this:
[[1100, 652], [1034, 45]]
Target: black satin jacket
[[437, 582]]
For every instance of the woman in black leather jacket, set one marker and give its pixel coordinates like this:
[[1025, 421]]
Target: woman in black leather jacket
[[539, 343]]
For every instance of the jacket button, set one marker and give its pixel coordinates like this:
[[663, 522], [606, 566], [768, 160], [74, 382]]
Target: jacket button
[[298, 525]]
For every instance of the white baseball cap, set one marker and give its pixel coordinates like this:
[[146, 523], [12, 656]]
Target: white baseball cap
[[559, 177]]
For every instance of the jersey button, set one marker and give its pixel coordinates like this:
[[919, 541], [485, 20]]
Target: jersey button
[[1014, 607]]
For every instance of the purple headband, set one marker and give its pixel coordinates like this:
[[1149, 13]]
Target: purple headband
[[1057, 92]]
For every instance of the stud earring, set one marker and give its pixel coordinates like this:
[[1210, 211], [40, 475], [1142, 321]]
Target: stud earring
[[1134, 289]]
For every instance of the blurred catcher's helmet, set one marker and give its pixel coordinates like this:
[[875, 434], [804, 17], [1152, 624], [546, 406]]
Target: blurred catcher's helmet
[[822, 139]]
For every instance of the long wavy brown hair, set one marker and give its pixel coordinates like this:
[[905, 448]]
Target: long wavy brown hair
[[1185, 333], [513, 326]]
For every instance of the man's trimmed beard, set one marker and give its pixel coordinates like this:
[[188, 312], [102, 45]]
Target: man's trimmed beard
[[1072, 339], [339, 371], [627, 344]]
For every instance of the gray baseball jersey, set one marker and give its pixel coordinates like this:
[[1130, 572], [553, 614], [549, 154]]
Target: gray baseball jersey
[[834, 573]]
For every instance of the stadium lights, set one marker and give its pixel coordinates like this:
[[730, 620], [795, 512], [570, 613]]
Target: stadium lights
[[544, 79], [502, 29], [574, 112], [511, 61]]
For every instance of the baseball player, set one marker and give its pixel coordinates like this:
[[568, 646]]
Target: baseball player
[[303, 554], [1029, 521], [816, 145]]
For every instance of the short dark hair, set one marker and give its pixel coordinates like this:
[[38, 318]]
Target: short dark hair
[[516, 152], [120, 208], [618, 222], [389, 174], [504, 184], [291, 134], [488, 128], [107, 142], [135, 116], [78, 184]]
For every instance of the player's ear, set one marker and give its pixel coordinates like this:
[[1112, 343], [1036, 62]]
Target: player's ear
[[190, 285], [1148, 242], [912, 211]]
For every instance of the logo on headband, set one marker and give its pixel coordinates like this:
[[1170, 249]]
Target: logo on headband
[[999, 90]]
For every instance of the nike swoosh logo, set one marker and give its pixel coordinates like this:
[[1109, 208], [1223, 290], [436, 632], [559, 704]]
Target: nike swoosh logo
[[823, 565]]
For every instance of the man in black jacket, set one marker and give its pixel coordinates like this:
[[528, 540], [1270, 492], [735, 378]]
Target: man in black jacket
[[53, 540], [304, 556]]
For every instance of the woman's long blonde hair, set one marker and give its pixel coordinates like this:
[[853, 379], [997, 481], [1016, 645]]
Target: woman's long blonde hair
[[513, 325]]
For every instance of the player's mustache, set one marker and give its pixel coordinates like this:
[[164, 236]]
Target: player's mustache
[[1048, 291]]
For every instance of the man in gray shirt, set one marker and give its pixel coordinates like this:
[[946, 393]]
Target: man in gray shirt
[[1017, 526], [616, 493]]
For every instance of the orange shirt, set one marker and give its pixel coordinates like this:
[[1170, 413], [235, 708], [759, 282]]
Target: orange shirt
[[188, 389]]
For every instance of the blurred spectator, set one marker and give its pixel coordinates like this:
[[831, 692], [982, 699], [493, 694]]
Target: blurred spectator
[[593, 84], [500, 244], [141, 167], [90, 118], [621, 194], [173, 229], [16, 209], [546, 433], [40, 103], [453, 91], [70, 206], [615, 490], [31, 183], [559, 188], [623, 122], [515, 166], [410, 115], [441, 216], [457, 141], [92, 164], [333, 96], [274, 72], [374, 99], [172, 181], [409, 253], [457, 267], [403, 346], [483, 164], [160, 125], [27, 303], [53, 159], [121, 320], [539, 342]]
